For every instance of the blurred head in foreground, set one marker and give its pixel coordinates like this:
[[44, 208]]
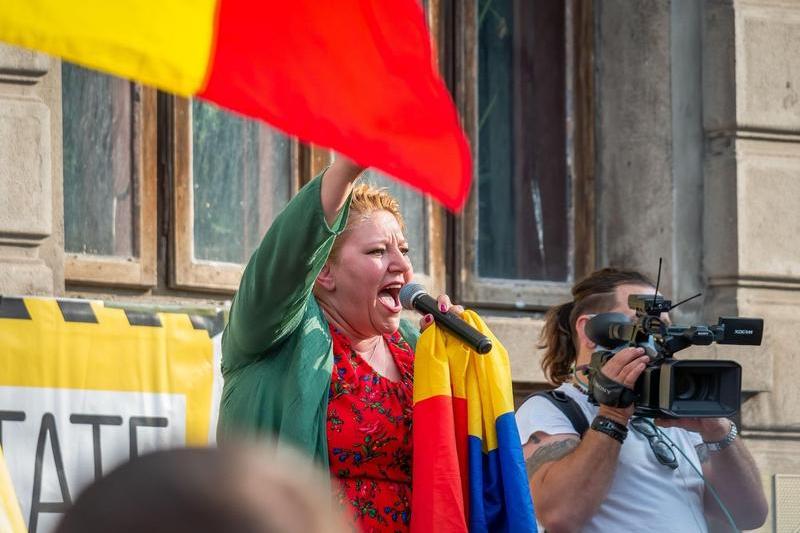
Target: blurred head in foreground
[[236, 488]]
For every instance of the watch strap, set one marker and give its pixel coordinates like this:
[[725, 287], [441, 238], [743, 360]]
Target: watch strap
[[720, 445]]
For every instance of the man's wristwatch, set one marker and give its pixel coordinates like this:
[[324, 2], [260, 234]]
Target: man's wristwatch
[[720, 445], [611, 428]]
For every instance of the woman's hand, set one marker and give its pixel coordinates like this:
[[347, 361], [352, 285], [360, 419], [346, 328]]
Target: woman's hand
[[445, 305], [337, 184], [345, 169]]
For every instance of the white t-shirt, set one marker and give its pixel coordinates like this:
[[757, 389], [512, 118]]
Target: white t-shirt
[[645, 495]]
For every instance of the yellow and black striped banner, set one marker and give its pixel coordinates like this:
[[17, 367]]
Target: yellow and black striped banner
[[84, 387]]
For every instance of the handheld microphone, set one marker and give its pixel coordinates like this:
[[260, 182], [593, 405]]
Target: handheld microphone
[[413, 296]]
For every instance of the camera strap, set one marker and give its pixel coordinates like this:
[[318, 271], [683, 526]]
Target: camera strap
[[605, 390], [608, 392], [568, 407]]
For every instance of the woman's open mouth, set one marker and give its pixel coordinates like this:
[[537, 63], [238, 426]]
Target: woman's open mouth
[[389, 296]]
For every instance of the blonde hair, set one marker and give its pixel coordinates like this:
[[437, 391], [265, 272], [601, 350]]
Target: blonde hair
[[367, 199]]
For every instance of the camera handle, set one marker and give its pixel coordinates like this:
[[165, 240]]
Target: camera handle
[[604, 390]]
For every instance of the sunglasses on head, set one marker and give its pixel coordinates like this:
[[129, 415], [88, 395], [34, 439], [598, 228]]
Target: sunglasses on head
[[661, 449]]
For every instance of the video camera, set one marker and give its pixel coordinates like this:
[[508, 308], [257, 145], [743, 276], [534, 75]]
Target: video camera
[[669, 388]]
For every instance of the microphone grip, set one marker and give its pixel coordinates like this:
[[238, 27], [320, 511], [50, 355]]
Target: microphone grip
[[452, 323]]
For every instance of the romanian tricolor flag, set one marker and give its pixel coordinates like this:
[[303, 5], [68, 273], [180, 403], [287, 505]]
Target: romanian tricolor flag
[[468, 469], [357, 76]]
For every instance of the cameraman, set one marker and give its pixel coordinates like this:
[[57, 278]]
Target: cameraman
[[623, 476]]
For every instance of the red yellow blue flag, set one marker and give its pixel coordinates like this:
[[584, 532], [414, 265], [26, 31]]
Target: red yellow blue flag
[[468, 468]]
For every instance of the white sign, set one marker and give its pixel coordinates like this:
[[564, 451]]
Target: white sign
[[56, 441]]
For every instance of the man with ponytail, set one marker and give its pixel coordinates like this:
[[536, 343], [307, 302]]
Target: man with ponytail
[[625, 473]]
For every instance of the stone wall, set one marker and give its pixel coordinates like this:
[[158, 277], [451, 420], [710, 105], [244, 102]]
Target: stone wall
[[31, 221], [698, 162], [752, 123]]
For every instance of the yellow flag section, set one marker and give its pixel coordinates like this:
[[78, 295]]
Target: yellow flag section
[[468, 469], [164, 43], [10, 516], [84, 387]]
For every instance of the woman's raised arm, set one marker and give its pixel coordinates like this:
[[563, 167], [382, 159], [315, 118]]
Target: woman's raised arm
[[337, 185], [278, 279]]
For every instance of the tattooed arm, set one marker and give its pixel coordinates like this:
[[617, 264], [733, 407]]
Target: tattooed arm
[[569, 477]]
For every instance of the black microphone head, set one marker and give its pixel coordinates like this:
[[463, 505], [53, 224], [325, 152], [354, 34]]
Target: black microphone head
[[408, 293], [600, 328]]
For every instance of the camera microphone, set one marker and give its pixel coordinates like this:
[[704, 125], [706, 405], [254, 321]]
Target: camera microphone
[[413, 296]]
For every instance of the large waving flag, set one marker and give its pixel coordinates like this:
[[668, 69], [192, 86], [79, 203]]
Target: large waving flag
[[353, 75], [468, 468]]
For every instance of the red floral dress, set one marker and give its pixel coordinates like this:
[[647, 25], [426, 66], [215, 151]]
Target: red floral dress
[[369, 436]]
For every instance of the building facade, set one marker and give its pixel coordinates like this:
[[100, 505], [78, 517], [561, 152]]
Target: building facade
[[604, 133]]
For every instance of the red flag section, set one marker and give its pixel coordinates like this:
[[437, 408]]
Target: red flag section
[[353, 75]]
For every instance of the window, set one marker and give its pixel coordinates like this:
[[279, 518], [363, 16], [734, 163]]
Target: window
[[227, 178], [231, 176], [524, 234], [109, 179], [522, 182]]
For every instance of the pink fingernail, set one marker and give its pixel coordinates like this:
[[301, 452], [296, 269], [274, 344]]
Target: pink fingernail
[[442, 308]]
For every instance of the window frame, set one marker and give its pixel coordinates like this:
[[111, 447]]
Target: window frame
[[437, 217], [471, 289], [139, 271], [186, 272]]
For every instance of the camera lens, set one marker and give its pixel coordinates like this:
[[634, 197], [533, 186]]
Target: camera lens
[[698, 387], [685, 387]]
